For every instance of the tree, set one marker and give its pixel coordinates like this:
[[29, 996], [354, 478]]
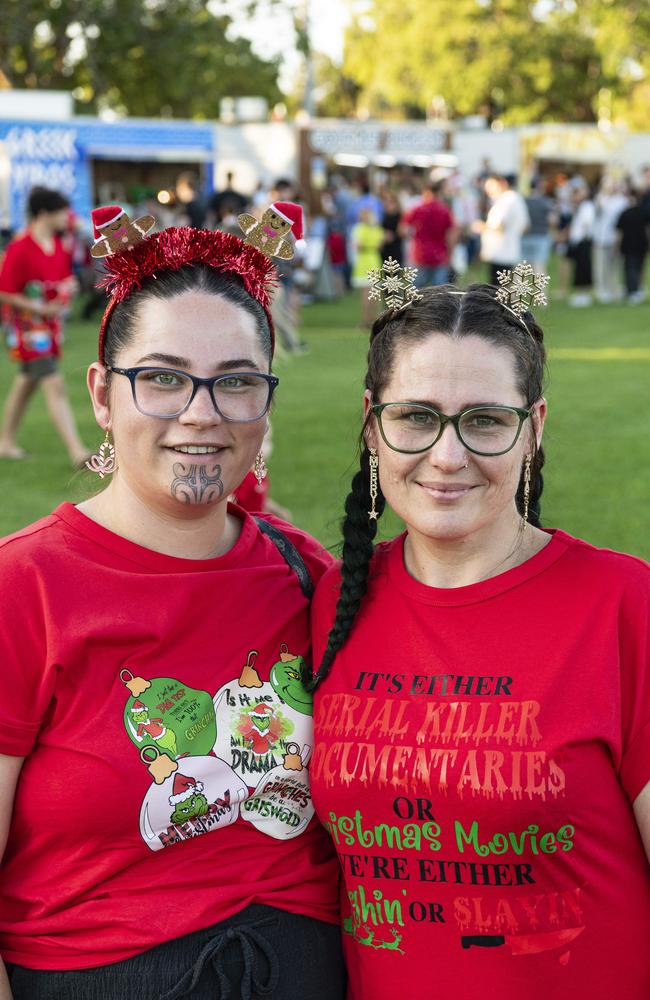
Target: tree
[[517, 60], [141, 57]]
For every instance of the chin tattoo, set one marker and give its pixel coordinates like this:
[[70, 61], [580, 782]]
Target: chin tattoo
[[196, 483]]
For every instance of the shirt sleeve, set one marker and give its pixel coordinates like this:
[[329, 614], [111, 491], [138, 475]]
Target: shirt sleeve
[[26, 679], [12, 272], [634, 641]]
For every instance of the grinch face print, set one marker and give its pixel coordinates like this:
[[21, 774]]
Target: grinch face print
[[201, 795], [254, 721], [286, 681], [114, 230]]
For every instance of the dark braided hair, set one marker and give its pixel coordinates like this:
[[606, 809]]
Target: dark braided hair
[[442, 309]]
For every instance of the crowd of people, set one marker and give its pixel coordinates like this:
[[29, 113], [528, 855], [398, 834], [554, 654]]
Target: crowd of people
[[444, 223]]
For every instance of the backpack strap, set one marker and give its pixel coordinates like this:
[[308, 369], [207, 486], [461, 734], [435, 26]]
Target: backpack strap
[[289, 553]]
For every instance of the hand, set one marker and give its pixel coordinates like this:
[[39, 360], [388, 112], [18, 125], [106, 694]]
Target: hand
[[51, 309]]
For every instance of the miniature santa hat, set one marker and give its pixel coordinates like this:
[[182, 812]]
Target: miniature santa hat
[[292, 213], [139, 706], [184, 788], [103, 217]]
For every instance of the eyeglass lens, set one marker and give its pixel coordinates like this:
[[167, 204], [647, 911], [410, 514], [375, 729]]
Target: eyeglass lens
[[165, 393], [488, 429]]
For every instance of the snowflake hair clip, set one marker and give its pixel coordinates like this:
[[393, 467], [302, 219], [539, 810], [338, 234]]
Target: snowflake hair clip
[[521, 288], [395, 283]]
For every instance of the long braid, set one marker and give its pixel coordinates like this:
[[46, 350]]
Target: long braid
[[358, 534]]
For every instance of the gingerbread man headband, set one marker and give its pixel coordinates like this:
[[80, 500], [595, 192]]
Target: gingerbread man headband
[[130, 258]]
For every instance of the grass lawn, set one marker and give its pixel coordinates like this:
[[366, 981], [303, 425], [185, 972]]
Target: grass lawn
[[597, 438]]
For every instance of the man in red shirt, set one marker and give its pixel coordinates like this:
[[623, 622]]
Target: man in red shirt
[[434, 231], [36, 287]]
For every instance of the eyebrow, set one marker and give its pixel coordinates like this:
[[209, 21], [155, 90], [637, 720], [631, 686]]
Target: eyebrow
[[466, 406], [173, 361]]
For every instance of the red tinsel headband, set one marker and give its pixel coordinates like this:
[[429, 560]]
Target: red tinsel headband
[[173, 249]]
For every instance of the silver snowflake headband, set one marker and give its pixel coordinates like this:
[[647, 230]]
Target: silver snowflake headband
[[395, 283], [521, 288]]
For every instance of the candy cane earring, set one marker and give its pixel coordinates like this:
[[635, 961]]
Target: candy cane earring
[[104, 462]]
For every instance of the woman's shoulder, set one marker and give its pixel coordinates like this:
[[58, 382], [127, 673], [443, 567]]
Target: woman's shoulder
[[25, 553], [20, 544], [603, 566], [330, 583], [316, 557]]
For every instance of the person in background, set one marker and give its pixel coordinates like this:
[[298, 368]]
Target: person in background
[[632, 228], [482, 701], [191, 210], [563, 213], [367, 241], [338, 255], [227, 203], [536, 241], [391, 222], [434, 233], [608, 203], [581, 233], [36, 289], [505, 224]]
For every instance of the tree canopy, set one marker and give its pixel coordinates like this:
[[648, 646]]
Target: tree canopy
[[516, 60], [138, 57]]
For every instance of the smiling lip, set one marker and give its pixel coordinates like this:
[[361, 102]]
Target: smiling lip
[[195, 450], [447, 491]]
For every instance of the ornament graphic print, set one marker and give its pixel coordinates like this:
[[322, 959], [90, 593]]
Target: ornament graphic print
[[168, 715], [281, 804], [201, 795], [254, 721]]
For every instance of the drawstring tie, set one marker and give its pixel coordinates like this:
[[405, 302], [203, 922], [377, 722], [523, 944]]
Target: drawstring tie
[[251, 984]]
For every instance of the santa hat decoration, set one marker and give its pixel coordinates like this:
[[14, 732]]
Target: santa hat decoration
[[139, 706], [293, 214], [104, 216], [184, 788]]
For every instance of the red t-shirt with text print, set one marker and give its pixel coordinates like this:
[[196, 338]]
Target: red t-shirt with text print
[[477, 751]]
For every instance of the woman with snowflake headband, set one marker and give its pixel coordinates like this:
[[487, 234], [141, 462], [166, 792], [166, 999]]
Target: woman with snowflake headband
[[482, 695], [162, 839]]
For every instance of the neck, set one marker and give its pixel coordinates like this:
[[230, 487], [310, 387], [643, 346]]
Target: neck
[[461, 562], [41, 232], [189, 532]]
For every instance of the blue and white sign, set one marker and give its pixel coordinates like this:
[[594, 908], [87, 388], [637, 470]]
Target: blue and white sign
[[58, 155]]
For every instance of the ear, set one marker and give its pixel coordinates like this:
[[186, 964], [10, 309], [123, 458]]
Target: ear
[[98, 389], [538, 418], [370, 422]]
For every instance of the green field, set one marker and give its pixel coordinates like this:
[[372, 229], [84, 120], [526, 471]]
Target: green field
[[597, 436]]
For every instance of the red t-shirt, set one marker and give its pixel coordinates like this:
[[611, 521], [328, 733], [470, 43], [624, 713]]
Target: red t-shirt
[[251, 495], [28, 270], [167, 741], [431, 220], [477, 753]]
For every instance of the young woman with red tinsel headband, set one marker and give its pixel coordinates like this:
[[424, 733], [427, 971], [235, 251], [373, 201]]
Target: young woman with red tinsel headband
[[153, 723]]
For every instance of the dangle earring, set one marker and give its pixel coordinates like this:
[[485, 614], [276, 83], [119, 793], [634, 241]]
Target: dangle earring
[[259, 469], [374, 481], [103, 463], [527, 464]]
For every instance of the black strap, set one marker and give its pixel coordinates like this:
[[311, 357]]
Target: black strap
[[290, 554]]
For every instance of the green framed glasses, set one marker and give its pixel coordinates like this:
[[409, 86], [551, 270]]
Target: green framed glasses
[[412, 428]]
